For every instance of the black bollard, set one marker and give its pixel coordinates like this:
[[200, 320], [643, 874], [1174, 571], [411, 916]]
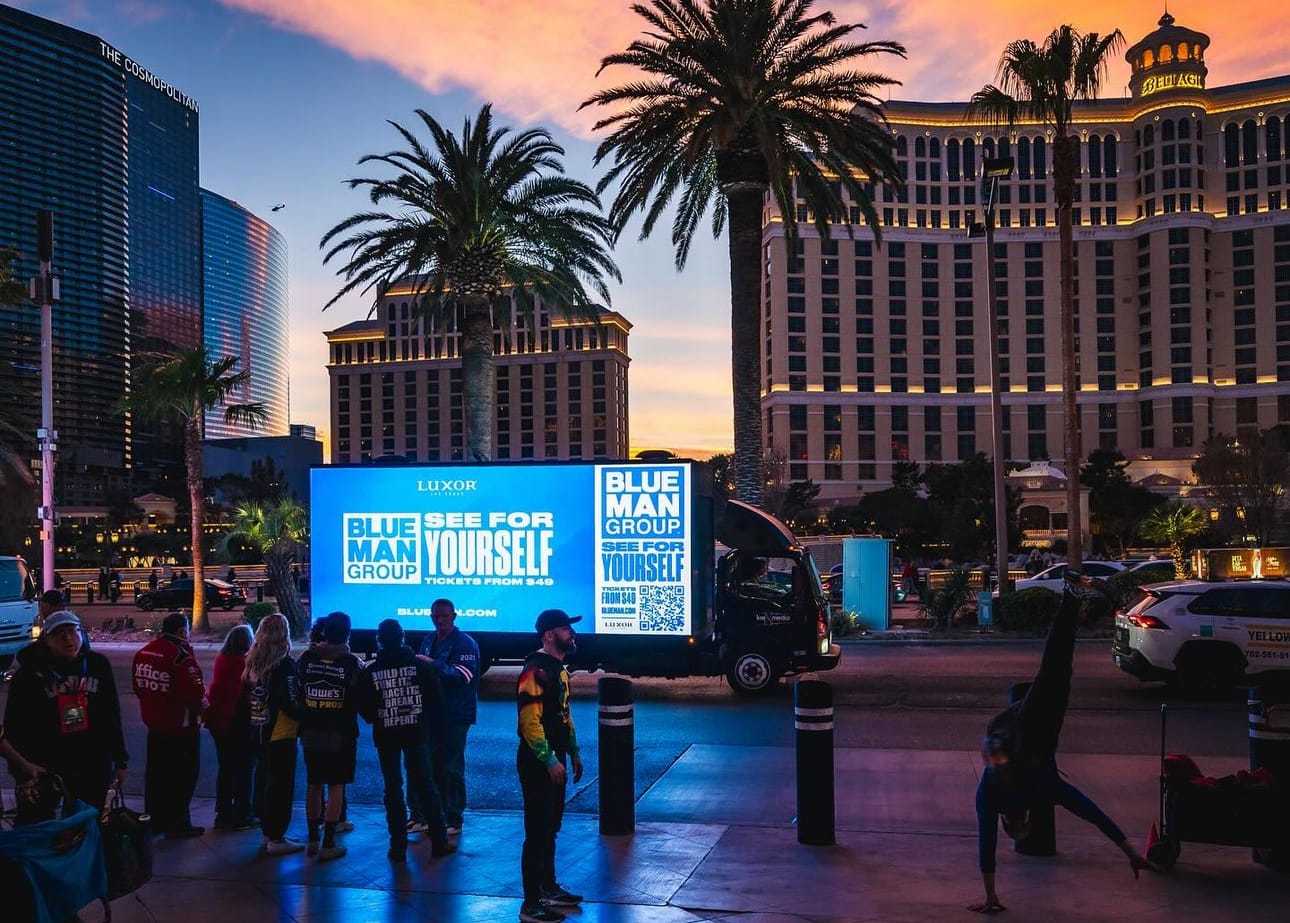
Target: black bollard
[[617, 757], [1042, 839], [813, 718], [89, 594], [259, 592]]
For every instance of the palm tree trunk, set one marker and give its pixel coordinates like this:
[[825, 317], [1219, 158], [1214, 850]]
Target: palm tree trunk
[[193, 464], [478, 377], [1064, 153], [745, 212], [278, 563]]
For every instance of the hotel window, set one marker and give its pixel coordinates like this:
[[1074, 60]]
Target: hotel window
[[1183, 429]]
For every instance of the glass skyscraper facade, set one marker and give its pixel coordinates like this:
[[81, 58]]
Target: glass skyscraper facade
[[112, 150], [246, 310]]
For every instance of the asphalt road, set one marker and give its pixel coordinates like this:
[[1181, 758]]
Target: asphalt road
[[932, 696]]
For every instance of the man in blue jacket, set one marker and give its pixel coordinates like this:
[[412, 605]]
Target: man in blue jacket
[[454, 657]]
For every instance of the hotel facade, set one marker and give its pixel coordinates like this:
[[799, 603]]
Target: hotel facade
[[875, 355], [396, 386]]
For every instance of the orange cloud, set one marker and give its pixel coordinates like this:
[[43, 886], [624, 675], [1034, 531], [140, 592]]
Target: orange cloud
[[538, 61]]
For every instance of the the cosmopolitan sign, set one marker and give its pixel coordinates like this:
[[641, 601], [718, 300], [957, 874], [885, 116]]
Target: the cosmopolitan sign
[[611, 542], [1161, 82], [137, 70]]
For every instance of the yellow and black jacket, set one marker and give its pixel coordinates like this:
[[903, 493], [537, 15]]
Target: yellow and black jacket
[[542, 696]]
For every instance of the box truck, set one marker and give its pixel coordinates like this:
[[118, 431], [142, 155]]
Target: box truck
[[666, 584]]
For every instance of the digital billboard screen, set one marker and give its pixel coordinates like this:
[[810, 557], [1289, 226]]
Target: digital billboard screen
[[613, 543]]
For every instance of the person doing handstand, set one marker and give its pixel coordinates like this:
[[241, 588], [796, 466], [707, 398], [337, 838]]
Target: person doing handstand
[[1020, 752]]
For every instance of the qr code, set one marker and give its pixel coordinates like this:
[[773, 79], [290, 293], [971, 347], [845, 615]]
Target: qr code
[[662, 607]]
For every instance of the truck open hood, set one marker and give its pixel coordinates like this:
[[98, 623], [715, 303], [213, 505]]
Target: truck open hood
[[749, 529]]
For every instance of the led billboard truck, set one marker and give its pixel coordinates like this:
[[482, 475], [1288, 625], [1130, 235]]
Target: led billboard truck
[[628, 546]]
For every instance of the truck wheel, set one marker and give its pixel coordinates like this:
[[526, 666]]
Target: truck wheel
[[751, 672]]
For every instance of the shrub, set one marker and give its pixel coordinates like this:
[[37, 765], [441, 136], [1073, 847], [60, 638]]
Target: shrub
[[254, 613], [944, 604], [1026, 610], [843, 623]]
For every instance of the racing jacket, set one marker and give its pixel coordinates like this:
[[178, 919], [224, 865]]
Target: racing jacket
[[168, 681], [455, 660]]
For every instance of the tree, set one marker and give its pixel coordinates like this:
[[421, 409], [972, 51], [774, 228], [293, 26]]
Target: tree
[[184, 388], [901, 512], [276, 530], [1042, 83], [794, 499], [11, 290], [1248, 477], [730, 100], [479, 225], [960, 499], [1173, 525], [1116, 505]]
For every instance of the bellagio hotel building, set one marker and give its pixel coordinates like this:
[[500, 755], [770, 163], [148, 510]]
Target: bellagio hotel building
[[877, 354], [396, 386]]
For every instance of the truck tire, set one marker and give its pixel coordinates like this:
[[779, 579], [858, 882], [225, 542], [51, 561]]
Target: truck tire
[[751, 672]]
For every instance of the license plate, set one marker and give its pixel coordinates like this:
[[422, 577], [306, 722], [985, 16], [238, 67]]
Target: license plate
[[1121, 636]]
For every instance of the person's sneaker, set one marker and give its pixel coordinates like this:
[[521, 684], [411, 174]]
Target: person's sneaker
[[539, 913], [328, 853], [345, 826], [314, 846], [185, 833], [559, 896], [418, 826], [282, 847], [441, 848], [453, 831], [248, 824], [398, 852]]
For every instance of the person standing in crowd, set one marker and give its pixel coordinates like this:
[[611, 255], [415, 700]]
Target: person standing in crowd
[[1020, 752], [275, 709], [228, 716], [329, 731], [547, 739], [454, 657], [64, 714], [396, 693], [317, 635], [168, 683]]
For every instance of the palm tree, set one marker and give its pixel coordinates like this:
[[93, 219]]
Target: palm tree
[[276, 529], [1041, 84], [731, 100], [476, 218], [1172, 525], [11, 291], [185, 388]]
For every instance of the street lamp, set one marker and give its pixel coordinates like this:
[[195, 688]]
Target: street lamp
[[993, 171]]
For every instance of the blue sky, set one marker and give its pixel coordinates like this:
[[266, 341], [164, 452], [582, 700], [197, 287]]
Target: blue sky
[[293, 92]]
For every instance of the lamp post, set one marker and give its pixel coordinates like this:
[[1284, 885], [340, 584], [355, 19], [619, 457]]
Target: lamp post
[[993, 170]]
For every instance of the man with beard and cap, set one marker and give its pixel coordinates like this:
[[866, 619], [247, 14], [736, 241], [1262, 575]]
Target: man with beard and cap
[[547, 739]]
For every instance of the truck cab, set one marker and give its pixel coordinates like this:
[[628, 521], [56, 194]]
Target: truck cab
[[17, 607], [771, 616]]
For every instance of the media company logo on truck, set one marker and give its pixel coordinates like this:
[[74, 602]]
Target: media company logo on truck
[[496, 548], [642, 549]]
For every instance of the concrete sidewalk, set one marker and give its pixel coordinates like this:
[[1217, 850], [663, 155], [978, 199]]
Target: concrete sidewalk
[[715, 841]]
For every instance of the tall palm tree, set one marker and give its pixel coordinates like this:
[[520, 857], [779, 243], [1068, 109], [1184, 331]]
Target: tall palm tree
[[276, 529], [185, 388], [731, 100], [1041, 84], [1172, 525], [477, 219]]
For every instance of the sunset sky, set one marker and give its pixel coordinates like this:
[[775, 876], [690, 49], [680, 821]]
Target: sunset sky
[[293, 92]]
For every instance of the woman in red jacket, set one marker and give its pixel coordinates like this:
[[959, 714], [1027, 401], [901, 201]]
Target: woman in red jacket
[[229, 718]]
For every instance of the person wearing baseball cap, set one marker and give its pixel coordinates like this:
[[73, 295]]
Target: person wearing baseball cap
[[64, 713], [547, 738]]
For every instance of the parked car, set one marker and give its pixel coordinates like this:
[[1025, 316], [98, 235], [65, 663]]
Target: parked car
[[1160, 570], [179, 593], [1054, 577], [1202, 633]]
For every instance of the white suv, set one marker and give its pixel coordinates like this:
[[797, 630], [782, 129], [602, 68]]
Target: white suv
[[1199, 632]]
